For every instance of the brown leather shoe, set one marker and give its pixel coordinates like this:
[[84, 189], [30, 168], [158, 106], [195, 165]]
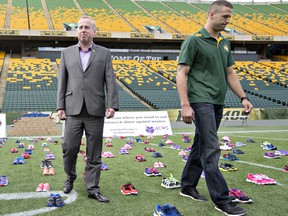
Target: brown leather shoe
[[99, 197]]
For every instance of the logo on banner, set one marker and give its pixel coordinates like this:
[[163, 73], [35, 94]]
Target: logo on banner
[[151, 130]]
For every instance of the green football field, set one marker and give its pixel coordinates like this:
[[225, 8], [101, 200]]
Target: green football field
[[19, 196]]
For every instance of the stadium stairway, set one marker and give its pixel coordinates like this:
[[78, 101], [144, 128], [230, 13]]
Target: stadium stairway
[[3, 79]]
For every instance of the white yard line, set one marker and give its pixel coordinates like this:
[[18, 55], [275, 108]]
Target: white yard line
[[71, 197]]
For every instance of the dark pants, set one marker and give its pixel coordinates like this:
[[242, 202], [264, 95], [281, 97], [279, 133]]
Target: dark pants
[[205, 153], [74, 127]]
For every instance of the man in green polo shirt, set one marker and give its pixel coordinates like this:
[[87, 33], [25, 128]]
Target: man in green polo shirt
[[206, 61]]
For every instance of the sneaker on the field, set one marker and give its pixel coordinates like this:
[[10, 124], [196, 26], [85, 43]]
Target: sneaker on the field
[[59, 201], [125, 190], [227, 167], [170, 182], [104, 166], [231, 209], [239, 196], [161, 211], [237, 151], [285, 169], [268, 146], [271, 155], [240, 144], [193, 194], [132, 188], [166, 210], [51, 200], [3, 180], [46, 187], [185, 158], [281, 152]]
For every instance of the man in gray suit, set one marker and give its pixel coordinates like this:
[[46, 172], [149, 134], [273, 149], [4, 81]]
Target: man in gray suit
[[85, 73]]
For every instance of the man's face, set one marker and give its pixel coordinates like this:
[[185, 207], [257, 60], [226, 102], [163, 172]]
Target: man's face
[[220, 18], [85, 31]]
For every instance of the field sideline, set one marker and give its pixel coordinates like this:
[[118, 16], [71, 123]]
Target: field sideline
[[23, 179]]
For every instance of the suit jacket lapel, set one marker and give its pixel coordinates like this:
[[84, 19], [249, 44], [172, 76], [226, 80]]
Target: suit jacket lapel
[[77, 57], [92, 55]]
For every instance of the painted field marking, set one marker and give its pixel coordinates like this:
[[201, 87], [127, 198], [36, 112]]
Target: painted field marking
[[71, 197]]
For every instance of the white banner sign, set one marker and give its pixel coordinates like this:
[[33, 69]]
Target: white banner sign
[[3, 126], [138, 123]]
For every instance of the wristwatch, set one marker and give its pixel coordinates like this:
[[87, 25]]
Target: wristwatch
[[243, 98]]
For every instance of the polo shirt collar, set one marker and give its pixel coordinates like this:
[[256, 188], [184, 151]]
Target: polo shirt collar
[[205, 34]]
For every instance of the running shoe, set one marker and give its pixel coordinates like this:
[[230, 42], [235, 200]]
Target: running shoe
[[281, 152], [40, 187], [268, 146], [148, 149], [227, 167], [225, 148], [3, 180], [157, 155], [271, 155], [127, 147], [237, 151], [285, 169], [104, 166], [170, 182], [51, 201], [169, 142], [250, 141], [123, 151], [175, 146], [161, 144], [46, 187], [166, 210], [230, 157], [125, 189], [187, 149], [238, 196], [132, 188], [59, 201], [185, 158], [239, 144], [139, 158], [181, 153]]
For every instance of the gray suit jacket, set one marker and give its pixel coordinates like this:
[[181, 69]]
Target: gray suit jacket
[[76, 85]]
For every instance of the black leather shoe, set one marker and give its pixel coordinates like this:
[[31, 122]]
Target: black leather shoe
[[99, 197], [68, 186]]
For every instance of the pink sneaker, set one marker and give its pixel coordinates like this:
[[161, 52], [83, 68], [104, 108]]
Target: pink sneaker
[[127, 147], [267, 179], [256, 179], [181, 153], [46, 187], [40, 187]]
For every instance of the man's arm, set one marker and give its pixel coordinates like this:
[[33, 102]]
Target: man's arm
[[61, 90], [235, 86], [187, 112]]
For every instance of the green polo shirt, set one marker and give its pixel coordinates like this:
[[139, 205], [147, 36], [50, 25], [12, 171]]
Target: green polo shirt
[[208, 60]]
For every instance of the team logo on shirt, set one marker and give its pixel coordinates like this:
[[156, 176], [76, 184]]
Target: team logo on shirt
[[226, 48]]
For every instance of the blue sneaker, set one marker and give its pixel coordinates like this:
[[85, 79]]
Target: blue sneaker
[[166, 210], [161, 210], [173, 211], [268, 146]]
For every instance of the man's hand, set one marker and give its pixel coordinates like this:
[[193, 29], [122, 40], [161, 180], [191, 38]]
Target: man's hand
[[188, 114], [247, 106], [61, 114], [110, 113]]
